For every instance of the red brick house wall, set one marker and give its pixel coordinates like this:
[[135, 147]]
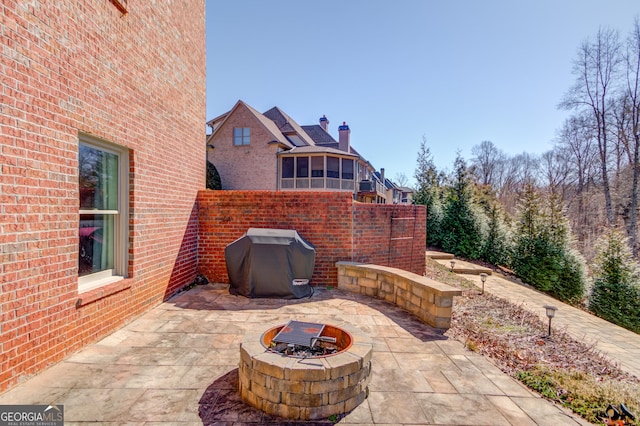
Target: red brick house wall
[[338, 227], [137, 79]]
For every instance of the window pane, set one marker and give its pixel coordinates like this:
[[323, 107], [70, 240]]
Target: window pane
[[241, 136], [97, 233], [302, 167], [287, 167], [333, 167], [98, 179], [347, 169], [317, 166]]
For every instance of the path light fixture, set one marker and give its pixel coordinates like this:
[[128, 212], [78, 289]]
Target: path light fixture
[[453, 264], [483, 278], [551, 312]]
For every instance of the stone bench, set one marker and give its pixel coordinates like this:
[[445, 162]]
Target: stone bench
[[429, 300]]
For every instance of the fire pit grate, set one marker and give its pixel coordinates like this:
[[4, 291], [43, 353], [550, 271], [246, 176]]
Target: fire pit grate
[[298, 333]]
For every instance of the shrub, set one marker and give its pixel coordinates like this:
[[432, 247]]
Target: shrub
[[615, 295], [496, 246], [213, 177], [543, 255]]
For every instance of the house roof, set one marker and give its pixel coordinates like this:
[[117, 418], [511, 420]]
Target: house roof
[[289, 134], [388, 183], [319, 135], [288, 126]]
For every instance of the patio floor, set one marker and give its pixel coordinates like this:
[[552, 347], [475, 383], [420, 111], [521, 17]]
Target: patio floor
[[178, 363]]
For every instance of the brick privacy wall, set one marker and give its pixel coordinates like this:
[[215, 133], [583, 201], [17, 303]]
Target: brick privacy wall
[[244, 167], [136, 80], [390, 235], [339, 228]]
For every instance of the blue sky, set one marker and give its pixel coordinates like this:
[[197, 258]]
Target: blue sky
[[456, 72]]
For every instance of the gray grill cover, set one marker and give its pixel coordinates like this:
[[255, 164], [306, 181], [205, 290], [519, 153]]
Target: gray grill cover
[[265, 263]]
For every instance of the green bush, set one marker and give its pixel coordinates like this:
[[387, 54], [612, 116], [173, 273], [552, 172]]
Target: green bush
[[615, 295], [213, 178], [543, 255], [460, 224], [496, 246], [618, 303]]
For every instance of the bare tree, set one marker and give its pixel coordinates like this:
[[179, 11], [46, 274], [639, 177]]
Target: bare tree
[[595, 70], [576, 143], [485, 162], [554, 169], [401, 179], [632, 59]]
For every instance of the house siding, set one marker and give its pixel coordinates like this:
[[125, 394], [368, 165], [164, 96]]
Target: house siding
[[339, 228], [245, 167], [136, 80]]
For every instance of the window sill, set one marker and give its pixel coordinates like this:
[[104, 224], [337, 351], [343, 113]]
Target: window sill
[[106, 288]]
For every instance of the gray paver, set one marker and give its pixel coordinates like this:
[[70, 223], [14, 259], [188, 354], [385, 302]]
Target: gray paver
[[177, 364]]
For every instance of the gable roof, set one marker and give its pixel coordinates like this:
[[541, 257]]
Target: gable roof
[[278, 136]]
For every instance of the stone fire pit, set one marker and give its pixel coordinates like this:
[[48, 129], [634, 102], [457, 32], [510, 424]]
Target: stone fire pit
[[305, 387]]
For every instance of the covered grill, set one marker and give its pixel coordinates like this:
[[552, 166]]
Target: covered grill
[[270, 263]]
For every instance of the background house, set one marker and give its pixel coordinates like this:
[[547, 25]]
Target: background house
[[395, 194], [101, 155], [270, 151]]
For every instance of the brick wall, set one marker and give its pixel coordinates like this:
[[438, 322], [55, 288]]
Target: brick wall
[[339, 228], [390, 235], [136, 80]]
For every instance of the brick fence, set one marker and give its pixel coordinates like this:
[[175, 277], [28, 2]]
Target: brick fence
[[339, 228]]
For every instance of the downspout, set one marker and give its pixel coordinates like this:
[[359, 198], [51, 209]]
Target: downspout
[[278, 170]]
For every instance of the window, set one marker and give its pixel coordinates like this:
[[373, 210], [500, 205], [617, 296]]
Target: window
[[241, 136], [302, 167], [347, 169], [317, 166], [103, 179], [333, 167], [287, 167]]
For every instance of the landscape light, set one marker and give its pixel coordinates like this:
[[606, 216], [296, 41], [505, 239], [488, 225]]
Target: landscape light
[[483, 278], [453, 264], [551, 312]]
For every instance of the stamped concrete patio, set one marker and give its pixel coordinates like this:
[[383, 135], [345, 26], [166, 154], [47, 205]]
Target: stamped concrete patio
[[178, 365]]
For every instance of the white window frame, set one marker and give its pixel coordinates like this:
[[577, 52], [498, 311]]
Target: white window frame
[[121, 215]]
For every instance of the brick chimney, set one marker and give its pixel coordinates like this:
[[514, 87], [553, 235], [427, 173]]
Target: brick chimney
[[343, 137], [324, 123]]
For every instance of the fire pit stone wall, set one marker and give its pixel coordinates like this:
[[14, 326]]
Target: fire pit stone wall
[[304, 388]]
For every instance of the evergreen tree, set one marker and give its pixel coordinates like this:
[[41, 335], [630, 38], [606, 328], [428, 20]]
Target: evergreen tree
[[543, 255], [615, 295], [496, 247], [427, 193], [460, 225]]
